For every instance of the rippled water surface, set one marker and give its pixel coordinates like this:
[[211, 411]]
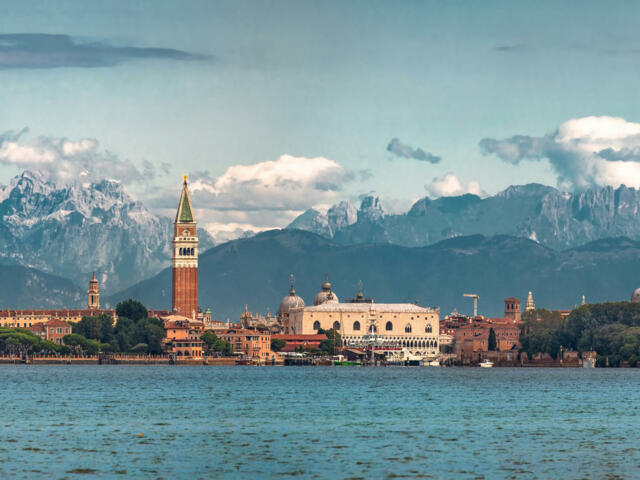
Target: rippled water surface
[[314, 422]]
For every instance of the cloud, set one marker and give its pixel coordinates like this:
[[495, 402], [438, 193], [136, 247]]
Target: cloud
[[400, 149], [583, 152], [449, 185], [263, 195], [63, 161], [41, 50]]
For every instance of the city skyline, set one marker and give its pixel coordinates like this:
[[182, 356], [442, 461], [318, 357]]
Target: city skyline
[[272, 108]]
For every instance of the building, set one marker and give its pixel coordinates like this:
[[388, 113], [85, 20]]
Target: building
[[296, 343], [289, 302], [256, 321], [94, 294], [249, 343], [512, 310], [53, 330], [185, 259], [182, 337], [472, 340], [28, 318], [403, 324]]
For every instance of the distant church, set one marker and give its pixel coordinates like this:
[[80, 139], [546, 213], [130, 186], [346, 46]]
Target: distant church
[[185, 259]]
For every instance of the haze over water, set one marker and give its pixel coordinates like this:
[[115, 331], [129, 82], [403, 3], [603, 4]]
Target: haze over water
[[312, 422]]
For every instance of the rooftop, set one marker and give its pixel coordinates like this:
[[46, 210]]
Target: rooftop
[[365, 307]]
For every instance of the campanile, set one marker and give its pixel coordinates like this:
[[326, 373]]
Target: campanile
[[185, 258]]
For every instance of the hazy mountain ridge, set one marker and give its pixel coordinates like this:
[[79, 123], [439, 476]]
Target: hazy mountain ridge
[[255, 271], [71, 231], [556, 219]]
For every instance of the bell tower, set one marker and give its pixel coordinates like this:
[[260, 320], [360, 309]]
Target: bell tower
[[94, 293], [185, 258]]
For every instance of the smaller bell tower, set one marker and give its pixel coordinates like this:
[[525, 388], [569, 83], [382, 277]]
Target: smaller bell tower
[[94, 293]]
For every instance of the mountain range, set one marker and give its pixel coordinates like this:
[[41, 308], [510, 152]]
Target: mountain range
[[544, 214], [73, 230], [255, 271]]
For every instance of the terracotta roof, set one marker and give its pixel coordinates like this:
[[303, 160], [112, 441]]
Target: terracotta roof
[[291, 338], [366, 307]]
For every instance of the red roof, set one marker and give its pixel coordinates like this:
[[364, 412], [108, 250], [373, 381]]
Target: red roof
[[316, 337]]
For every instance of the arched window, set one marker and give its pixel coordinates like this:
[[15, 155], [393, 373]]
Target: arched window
[[373, 329], [180, 251], [356, 325], [336, 325], [316, 325], [407, 329], [389, 326], [428, 328]]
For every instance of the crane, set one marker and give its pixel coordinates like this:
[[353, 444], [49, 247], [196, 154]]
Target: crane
[[475, 297]]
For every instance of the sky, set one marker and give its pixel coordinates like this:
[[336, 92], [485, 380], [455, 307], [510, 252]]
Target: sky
[[273, 107]]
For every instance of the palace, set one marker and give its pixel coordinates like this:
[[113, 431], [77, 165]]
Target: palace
[[404, 324], [185, 259]]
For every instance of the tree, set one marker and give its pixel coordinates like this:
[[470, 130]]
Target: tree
[[333, 341], [131, 309], [215, 344], [277, 344], [98, 328], [18, 341], [492, 340]]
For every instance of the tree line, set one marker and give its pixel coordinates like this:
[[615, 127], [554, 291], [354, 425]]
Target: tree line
[[612, 330]]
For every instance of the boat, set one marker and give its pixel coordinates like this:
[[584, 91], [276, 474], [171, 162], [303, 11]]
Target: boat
[[346, 363], [486, 363]]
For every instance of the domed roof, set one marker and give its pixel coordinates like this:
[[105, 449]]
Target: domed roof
[[289, 302], [326, 295], [635, 297]]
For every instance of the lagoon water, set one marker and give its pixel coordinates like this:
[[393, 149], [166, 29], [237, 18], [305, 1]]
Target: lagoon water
[[318, 422]]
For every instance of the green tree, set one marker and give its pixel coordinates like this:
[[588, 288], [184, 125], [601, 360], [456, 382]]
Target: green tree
[[131, 309], [492, 340], [277, 344], [17, 341], [215, 344], [333, 341], [98, 328]]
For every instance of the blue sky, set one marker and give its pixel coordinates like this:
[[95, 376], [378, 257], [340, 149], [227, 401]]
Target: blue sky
[[329, 85]]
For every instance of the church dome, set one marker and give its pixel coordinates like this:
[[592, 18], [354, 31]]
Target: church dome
[[635, 297], [289, 302], [326, 295]]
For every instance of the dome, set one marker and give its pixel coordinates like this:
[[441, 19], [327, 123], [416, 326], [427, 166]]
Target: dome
[[289, 302], [326, 295], [635, 297]]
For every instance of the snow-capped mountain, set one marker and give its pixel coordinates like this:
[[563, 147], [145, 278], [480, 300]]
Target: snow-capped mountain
[[73, 230], [553, 218]]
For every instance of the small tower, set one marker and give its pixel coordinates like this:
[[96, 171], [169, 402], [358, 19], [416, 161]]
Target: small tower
[[94, 293], [512, 309], [530, 306]]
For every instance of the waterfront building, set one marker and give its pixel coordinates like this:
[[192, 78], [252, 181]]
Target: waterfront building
[[300, 342], [182, 336], [403, 324], [512, 309], [185, 259], [53, 330], [472, 340], [249, 343], [29, 317], [635, 296], [530, 305]]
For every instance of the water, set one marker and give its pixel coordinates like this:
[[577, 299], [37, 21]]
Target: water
[[306, 422]]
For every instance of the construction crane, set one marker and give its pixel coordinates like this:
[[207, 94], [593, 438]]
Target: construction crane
[[475, 297]]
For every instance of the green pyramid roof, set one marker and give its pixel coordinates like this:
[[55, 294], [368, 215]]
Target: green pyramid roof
[[184, 209]]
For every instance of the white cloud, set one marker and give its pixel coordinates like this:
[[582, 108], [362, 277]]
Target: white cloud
[[261, 196], [450, 185], [583, 152], [63, 161], [288, 183]]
